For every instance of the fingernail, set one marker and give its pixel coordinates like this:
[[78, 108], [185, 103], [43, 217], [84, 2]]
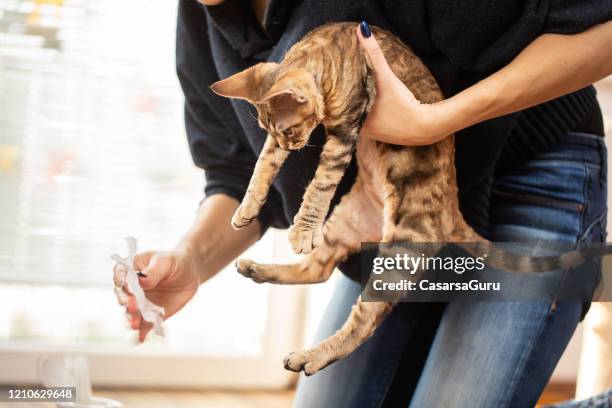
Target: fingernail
[[365, 29]]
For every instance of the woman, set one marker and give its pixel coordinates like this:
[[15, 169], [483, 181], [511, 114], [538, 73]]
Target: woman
[[492, 60]]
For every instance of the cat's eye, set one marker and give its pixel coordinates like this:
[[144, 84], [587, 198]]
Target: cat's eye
[[288, 132]]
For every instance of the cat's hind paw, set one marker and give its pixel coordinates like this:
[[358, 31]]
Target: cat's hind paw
[[309, 361], [304, 238]]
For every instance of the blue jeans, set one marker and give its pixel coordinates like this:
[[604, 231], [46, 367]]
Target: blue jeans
[[477, 354]]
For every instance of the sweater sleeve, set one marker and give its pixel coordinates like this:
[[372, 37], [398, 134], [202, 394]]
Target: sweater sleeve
[[483, 36], [213, 135], [574, 16]]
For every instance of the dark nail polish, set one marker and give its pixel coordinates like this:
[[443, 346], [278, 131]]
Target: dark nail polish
[[365, 29]]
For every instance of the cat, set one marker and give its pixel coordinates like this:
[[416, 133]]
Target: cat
[[400, 193]]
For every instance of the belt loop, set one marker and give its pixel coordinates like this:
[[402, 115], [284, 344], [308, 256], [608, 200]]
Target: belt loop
[[603, 156]]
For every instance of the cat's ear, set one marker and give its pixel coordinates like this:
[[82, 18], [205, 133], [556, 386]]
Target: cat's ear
[[288, 88], [244, 84], [283, 92], [288, 98]]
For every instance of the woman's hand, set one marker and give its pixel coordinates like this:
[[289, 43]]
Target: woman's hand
[[551, 66], [396, 116], [170, 280]]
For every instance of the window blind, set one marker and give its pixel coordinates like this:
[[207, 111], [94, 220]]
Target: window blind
[[92, 144]]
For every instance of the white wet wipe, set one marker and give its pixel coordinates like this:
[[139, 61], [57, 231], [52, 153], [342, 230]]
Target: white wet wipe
[[150, 312]]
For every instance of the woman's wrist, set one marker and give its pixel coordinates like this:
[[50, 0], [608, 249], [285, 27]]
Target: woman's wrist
[[436, 121], [460, 111], [211, 243], [194, 257]]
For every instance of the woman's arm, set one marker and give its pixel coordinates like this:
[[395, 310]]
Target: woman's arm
[[171, 278], [211, 240], [551, 66]]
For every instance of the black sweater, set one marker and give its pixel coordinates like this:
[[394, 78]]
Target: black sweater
[[461, 41]]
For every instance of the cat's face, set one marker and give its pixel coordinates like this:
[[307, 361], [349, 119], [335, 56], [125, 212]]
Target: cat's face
[[288, 102]]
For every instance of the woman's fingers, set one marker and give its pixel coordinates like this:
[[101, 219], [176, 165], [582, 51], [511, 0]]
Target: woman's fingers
[[145, 328], [154, 269], [371, 47], [131, 306], [157, 269], [134, 317], [135, 321], [122, 296], [119, 275], [141, 262]]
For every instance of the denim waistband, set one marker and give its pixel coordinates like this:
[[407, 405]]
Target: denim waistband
[[586, 147]]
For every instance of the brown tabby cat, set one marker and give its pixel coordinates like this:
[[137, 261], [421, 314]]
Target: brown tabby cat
[[400, 194]]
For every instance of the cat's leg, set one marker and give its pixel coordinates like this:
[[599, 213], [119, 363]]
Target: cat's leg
[[315, 268], [401, 222], [307, 230], [364, 318], [270, 160], [354, 219]]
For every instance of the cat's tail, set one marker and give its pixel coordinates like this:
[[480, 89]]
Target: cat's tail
[[477, 246]]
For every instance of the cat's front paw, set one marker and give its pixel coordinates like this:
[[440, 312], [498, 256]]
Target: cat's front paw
[[245, 214], [304, 238]]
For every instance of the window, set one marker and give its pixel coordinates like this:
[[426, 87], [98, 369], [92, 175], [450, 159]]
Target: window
[[92, 149]]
